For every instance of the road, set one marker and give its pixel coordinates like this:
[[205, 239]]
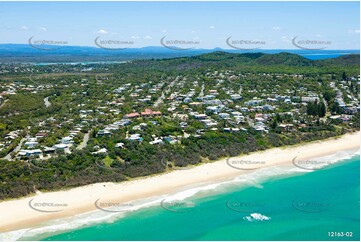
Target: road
[[3, 103], [17, 149], [240, 90], [83, 144], [46, 102], [240, 86], [160, 100], [201, 94], [250, 122]]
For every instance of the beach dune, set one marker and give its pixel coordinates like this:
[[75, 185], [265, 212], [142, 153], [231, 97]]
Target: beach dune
[[42, 207]]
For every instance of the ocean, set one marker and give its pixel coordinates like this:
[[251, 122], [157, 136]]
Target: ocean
[[270, 204]]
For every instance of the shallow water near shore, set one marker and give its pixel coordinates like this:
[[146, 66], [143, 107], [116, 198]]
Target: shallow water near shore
[[274, 204]]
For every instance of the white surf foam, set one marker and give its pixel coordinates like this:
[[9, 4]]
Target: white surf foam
[[255, 217], [77, 221], [325, 161], [95, 217]]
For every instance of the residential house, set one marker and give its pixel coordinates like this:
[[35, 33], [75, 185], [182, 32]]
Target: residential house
[[150, 113], [132, 115], [31, 143], [102, 133], [135, 137]]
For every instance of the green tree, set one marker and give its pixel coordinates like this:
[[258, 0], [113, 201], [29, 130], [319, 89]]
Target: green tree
[[321, 109], [344, 76]]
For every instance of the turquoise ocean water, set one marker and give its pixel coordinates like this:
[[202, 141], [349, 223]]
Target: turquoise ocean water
[[294, 205]]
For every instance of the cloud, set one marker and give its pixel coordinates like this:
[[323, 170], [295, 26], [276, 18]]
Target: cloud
[[43, 29], [24, 27], [148, 37], [212, 27], [353, 31], [285, 39], [276, 28], [164, 31], [102, 31], [135, 37], [318, 35]]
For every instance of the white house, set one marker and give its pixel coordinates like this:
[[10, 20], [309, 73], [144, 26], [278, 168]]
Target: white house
[[67, 140], [31, 144]]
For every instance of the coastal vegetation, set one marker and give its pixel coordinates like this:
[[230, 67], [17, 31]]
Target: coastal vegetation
[[117, 121]]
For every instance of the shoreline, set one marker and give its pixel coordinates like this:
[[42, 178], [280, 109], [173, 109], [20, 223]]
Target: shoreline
[[17, 214]]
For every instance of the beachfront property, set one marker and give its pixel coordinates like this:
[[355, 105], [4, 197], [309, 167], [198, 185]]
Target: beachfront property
[[164, 111]]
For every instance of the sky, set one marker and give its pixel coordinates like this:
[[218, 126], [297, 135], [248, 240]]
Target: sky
[[266, 25]]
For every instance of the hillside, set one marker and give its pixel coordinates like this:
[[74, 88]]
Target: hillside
[[283, 58]]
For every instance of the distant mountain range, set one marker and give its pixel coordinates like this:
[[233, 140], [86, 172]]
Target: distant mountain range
[[27, 53]]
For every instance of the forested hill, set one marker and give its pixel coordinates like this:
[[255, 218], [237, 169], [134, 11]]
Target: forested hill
[[282, 58], [285, 62]]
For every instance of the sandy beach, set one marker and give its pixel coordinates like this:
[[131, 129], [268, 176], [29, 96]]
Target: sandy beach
[[26, 212]]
